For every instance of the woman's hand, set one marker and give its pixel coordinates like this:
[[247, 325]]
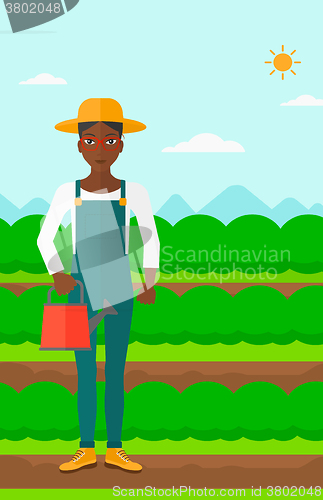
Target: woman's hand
[[63, 283], [147, 296]]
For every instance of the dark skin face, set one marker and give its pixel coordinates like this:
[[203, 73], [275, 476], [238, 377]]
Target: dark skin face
[[100, 160]]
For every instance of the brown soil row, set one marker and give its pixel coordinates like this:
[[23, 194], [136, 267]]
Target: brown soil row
[[286, 289], [164, 471], [180, 375]]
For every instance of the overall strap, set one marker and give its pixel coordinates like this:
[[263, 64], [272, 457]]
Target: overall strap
[[123, 203], [77, 188], [78, 202], [123, 199], [123, 189], [78, 199]]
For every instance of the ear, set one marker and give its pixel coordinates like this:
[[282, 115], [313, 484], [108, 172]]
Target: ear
[[121, 147], [79, 145]]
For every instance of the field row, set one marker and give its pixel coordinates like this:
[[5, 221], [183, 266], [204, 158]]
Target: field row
[[204, 315], [198, 244], [157, 411], [171, 471]]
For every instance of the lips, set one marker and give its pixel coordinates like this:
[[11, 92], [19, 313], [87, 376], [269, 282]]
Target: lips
[[100, 161]]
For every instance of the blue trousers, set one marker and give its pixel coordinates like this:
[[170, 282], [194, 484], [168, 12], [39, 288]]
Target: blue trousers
[[117, 330]]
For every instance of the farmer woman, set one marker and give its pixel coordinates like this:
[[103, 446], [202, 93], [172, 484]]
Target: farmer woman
[[100, 208]]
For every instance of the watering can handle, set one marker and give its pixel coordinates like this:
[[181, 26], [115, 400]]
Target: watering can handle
[[81, 293]]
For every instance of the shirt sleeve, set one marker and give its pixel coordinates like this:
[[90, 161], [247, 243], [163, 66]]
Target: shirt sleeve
[[141, 207], [60, 205]]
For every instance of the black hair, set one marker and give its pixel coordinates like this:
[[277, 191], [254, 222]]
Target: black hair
[[117, 126]]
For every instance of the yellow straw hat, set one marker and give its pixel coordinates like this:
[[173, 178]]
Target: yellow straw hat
[[100, 110]]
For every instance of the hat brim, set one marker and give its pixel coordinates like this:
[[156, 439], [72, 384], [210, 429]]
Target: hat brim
[[71, 126]]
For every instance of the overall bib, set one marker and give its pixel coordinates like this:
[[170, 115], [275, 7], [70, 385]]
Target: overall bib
[[101, 263]]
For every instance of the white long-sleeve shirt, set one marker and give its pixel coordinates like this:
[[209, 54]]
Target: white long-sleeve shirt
[[64, 200]]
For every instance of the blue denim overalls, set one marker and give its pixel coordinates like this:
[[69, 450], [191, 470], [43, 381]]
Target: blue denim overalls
[[101, 263]]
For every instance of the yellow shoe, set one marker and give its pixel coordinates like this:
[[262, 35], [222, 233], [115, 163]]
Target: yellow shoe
[[117, 457], [84, 457]]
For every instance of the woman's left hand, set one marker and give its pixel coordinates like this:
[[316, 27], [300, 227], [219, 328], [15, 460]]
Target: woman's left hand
[[147, 296]]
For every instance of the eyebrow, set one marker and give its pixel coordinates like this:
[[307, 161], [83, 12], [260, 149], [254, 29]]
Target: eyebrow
[[90, 134], [110, 134]]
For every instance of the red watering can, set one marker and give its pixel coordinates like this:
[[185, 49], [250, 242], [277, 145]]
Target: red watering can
[[65, 326]]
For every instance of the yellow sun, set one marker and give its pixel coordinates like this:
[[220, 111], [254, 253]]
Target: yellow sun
[[283, 62]]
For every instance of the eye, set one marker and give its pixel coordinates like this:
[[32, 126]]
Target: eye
[[110, 142], [89, 142]]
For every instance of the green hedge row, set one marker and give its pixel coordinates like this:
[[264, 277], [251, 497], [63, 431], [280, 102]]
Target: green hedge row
[[155, 411], [204, 315], [196, 244], [201, 243]]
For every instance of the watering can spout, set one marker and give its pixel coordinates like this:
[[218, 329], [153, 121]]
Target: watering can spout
[[107, 309]]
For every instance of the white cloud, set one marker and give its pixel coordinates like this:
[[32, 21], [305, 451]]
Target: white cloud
[[44, 79], [304, 100], [205, 143]]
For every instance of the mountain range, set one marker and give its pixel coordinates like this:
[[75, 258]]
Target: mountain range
[[234, 202], [228, 205], [10, 213]]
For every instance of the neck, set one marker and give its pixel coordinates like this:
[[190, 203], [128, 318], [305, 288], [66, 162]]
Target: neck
[[100, 180]]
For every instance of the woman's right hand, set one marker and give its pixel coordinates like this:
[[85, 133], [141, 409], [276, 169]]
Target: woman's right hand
[[63, 283]]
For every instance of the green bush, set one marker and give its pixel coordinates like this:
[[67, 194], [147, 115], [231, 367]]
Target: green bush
[[306, 409], [21, 317], [8, 264], [263, 317], [303, 236], [305, 312], [10, 326], [156, 411], [11, 416], [193, 240], [206, 315], [209, 412], [254, 240], [159, 323], [50, 412], [24, 233], [153, 412], [20, 251]]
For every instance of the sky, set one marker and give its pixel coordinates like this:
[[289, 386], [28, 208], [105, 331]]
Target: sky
[[183, 68]]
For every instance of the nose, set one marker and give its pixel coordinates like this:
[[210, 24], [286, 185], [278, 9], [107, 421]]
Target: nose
[[100, 148]]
